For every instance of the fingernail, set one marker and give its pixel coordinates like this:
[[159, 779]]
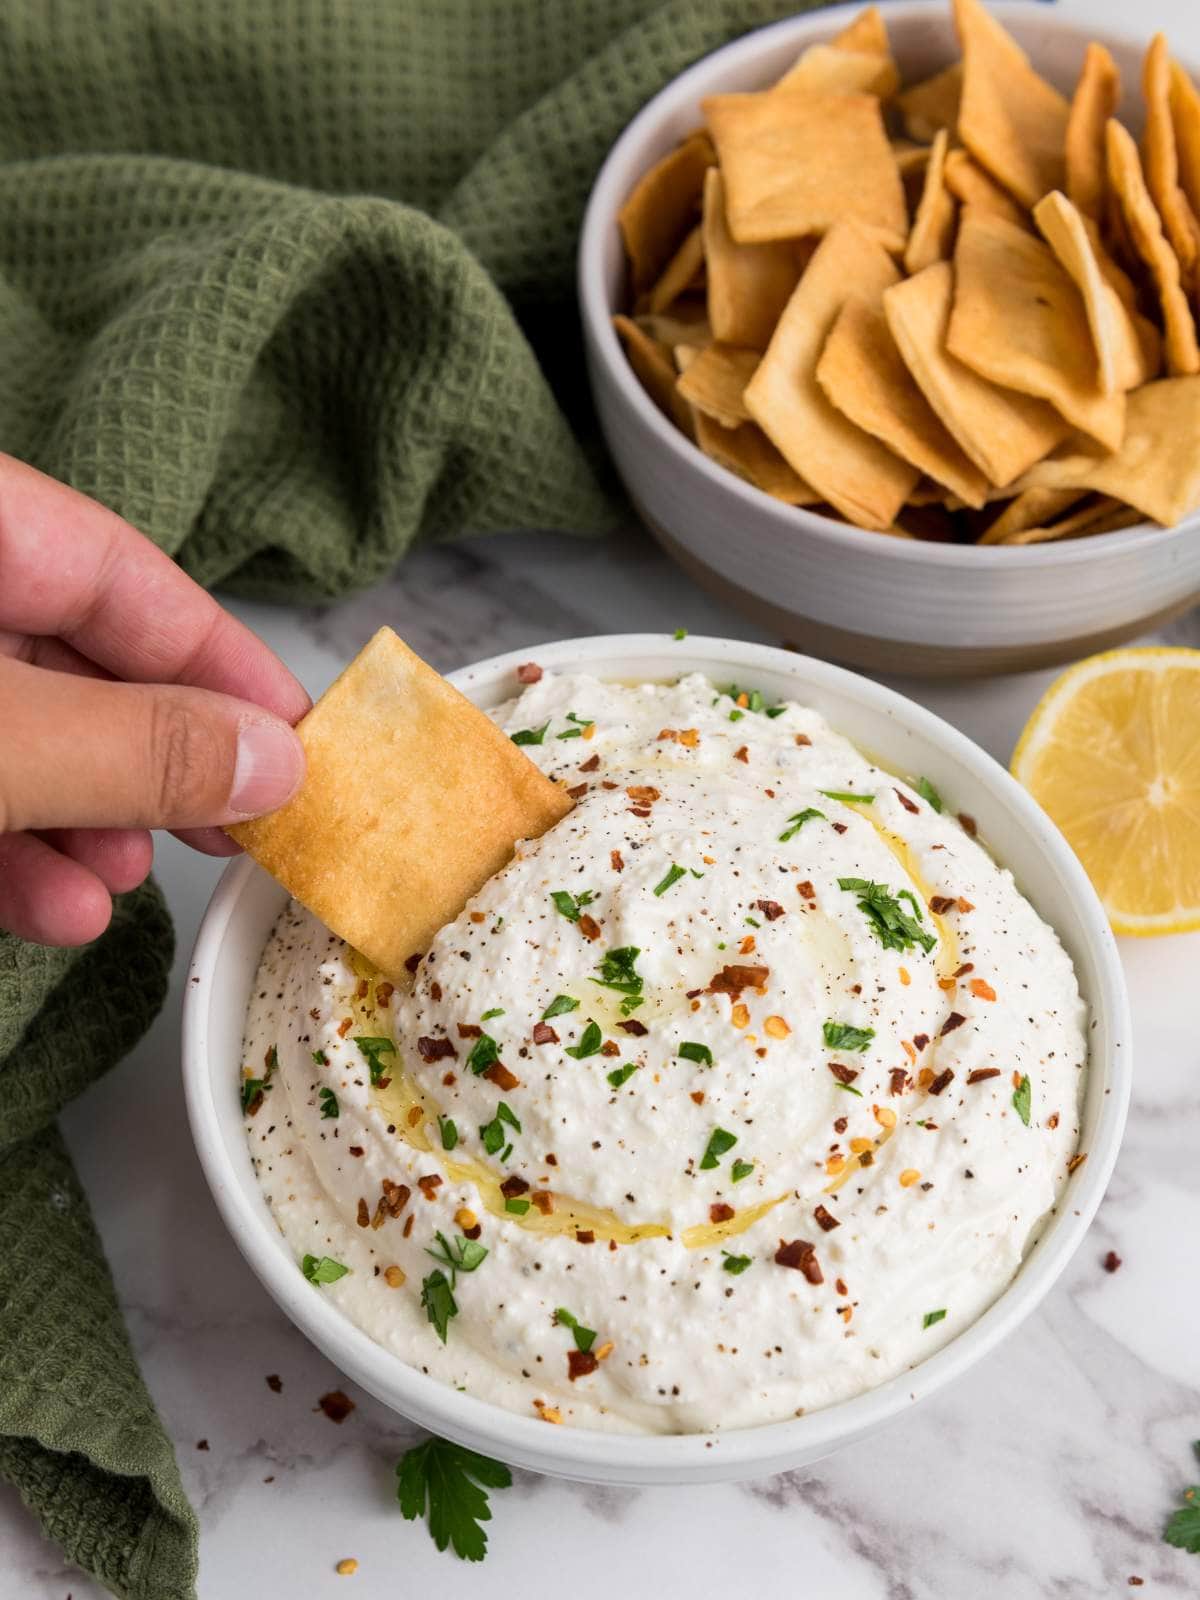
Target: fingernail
[[268, 769]]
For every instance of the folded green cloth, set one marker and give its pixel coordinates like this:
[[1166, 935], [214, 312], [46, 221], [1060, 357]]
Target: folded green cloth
[[289, 284]]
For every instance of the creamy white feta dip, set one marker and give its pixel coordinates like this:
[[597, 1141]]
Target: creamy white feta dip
[[754, 1078]]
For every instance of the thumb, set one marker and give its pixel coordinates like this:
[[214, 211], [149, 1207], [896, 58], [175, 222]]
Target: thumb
[[92, 753]]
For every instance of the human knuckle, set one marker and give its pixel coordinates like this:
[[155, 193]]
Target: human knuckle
[[183, 753]]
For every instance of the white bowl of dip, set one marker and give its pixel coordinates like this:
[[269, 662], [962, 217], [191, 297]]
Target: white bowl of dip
[[900, 737], [887, 605]]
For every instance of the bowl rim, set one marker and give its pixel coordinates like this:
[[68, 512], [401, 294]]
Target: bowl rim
[[675, 1458], [609, 191]]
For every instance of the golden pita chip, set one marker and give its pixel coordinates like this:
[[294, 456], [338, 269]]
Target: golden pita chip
[[932, 235], [970, 185], [867, 31], [864, 480], [748, 284], [1162, 162], [1120, 354], [910, 158], [1003, 432], [826, 69], [715, 380], [797, 163], [1185, 119], [1157, 468], [748, 452], [864, 375], [1032, 508], [655, 371], [680, 273], [932, 105], [1019, 321], [1010, 119], [1094, 516], [412, 800], [1142, 220], [663, 207], [1095, 100], [685, 323]]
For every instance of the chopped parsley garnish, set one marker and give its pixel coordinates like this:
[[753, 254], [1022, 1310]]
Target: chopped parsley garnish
[[322, 1269], [517, 1207], [372, 1049], [484, 1053], [754, 923], [847, 1088], [320, 1058], [927, 792], [673, 875], [585, 1338], [571, 905], [700, 1053], [496, 1011], [740, 1170], [560, 1004], [795, 823], [844, 1036], [892, 925], [329, 1103], [446, 1479], [719, 1141], [620, 1075], [492, 1133], [736, 716], [753, 698], [464, 1256], [736, 1264], [254, 1088], [589, 1044], [1183, 1528], [617, 971], [933, 1316], [438, 1299], [530, 735], [680, 633], [1023, 1099], [577, 731], [846, 795], [448, 1131], [774, 711]]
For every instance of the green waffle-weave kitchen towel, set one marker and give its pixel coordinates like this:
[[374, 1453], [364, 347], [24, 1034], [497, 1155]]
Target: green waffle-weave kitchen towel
[[289, 284]]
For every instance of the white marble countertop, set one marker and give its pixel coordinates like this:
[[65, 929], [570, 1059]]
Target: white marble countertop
[[1048, 1471]]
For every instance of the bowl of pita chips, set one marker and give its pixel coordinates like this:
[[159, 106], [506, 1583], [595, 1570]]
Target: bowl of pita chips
[[892, 326]]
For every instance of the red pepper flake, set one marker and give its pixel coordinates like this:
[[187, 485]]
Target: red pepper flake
[[435, 990], [806, 890], [384, 993], [668, 734], [429, 1184], [356, 1150], [543, 1033], [897, 1080], [336, 1405], [478, 916], [361, 992], [610, 1047], [842, 1073], [514, 1186], [839, 827], [449, 1077], [414, 961], [529, 672], [731, 980], [396, 1196], [578, 792], [964, 905], [434, 1049], [408, 1224], [607, 783], [920, 1040], [742, 755], [905, 801], [802, 1256], [580, 1363], [588, 927], [1077, 1160], [720, 1212], [543, 1201], [1052, 1120], [954, 1020], [591, 764], [633, 1026], [551, 1160], [826, 1221], [802, 738], [939, 904], [967, 966], [643, 794], [499, 1074], [771, 909], [344, 1026], [618, 861], [639, 811], [469, 1030], [968, 824], [982, 1074], [274, 1383], [698, 1096], [943, 1078], [841, 1124], [1112, 1261], [363, 1215], [584, 1236]]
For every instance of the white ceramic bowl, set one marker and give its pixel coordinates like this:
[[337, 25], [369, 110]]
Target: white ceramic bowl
[[903, 737], [884, 604]]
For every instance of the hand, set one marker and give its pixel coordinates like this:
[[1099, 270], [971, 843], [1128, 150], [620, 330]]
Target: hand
[[129, 700]]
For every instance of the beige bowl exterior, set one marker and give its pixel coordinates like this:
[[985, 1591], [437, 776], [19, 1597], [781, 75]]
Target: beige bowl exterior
[[885, 604]]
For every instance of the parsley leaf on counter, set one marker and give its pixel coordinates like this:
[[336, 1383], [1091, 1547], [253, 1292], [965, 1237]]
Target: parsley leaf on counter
[[795, 823], [445, 1479], [438, 1299], [322, 1269], [673, 875], [1183, 1528], [933, 1316], [329, 1103], [560, 1004], [620, 1075], [843, 1036], [484, 1053], [1023, 1099], [735, 1264], [927, 792], [719, 1141], [372, 1049], [589, 1044], [585, 1338], [571, 905], [530, 735], [700, 1053], [892, 925]]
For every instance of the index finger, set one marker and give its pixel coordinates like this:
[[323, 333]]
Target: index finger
[[70, 568]]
